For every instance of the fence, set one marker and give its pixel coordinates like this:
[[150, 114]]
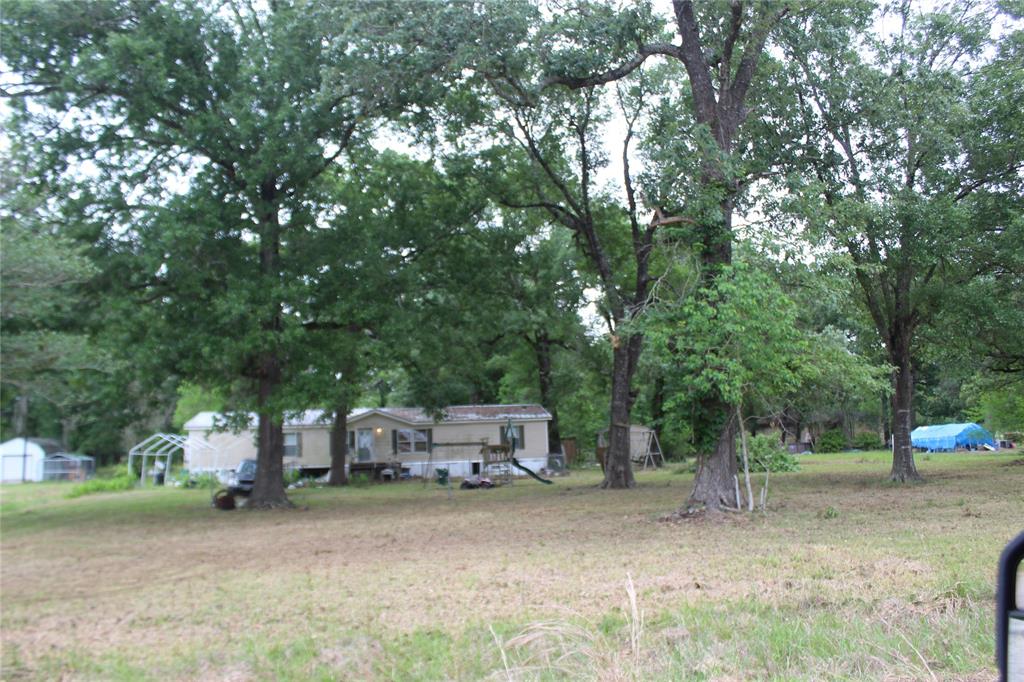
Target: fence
[[67, 469]]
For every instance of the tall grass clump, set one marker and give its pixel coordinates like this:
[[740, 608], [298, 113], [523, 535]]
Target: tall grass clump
[[121, 480]]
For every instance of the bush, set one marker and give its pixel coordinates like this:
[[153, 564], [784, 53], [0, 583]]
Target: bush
[[206, 480], [292, 476], [766, 454], [120, 481], [585, 459], [867, 441], [831, 441]]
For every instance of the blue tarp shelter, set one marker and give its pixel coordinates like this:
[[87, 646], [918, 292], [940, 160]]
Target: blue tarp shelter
[[950, 437]]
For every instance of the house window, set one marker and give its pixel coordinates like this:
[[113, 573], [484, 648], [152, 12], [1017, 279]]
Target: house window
[[407, 441], [520, 435], [293, 445]]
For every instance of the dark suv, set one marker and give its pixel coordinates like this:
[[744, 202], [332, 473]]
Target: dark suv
[[241, 482]]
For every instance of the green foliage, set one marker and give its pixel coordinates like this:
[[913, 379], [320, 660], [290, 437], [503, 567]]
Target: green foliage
[[226, 256], [214, 141], [50, 363], [122, 480], [997, 401], [729, 339], [292, 475], [193, 399], [767, 455], [831, 441], [830, 513], [923, 164], [740, 340], [206, 481], [866, 441]]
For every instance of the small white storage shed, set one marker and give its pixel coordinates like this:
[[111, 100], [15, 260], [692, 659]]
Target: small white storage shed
[[21, 459]]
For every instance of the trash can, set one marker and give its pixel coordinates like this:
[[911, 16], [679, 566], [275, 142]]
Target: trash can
[[442, 476]]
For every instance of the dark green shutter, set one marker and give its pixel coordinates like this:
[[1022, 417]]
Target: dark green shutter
[[430, 440], [394, 441]]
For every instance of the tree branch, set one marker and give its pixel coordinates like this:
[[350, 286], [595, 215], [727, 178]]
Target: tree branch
[[616, 73]]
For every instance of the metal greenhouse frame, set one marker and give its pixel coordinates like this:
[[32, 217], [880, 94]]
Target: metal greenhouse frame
[[161, 446]]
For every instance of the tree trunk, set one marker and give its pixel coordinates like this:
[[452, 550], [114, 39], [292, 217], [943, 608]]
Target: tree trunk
[[67, 429], [268, 489], [658, 408], [714, 485], [21, 416], [339, 446], [789, 424], [542, 348], [714, 422], [746, 459], [883, 421], [849, 426], [903, 468], [784, 421], [618, 470]]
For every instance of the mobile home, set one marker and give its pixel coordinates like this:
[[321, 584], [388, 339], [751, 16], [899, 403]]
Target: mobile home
[[411, 437]]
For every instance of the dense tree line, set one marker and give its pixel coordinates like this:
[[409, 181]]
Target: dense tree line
[[735, 215]]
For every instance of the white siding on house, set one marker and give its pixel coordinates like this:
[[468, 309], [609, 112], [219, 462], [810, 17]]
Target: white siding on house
[[225, 449], [229, 449]]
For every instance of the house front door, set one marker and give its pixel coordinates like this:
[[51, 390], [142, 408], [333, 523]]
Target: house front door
[[364, 445]]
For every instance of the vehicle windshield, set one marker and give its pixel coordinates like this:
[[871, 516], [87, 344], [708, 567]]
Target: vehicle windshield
[[247, 469]]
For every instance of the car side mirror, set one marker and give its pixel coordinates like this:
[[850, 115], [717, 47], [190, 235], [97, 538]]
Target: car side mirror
[[1010, 613]]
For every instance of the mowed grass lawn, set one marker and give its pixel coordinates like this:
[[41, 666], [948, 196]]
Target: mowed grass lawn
[[845, 577]]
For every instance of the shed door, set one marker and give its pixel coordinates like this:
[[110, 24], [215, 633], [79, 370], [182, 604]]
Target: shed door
[[17, 468], [364, 445]]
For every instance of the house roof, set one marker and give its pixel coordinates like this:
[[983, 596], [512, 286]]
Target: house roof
[[71, 456], [210, 420], [46, 446], [409, 415], [460, 413], [49, 445]]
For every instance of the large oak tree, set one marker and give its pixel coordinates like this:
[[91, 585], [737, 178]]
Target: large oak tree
[[913, 172], [719, 47], [209, 128]]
